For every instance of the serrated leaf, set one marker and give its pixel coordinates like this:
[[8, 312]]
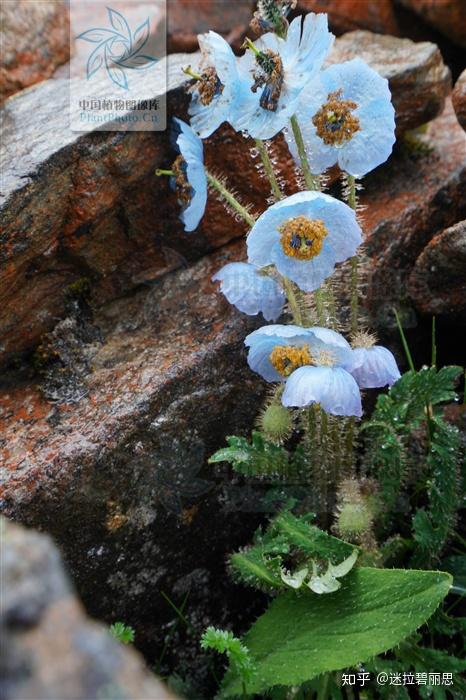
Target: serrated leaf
[[311, 540], [301, 637], [258, 457]]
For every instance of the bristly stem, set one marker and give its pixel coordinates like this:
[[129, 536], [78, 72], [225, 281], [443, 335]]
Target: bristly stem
[[293, 301], [404, 342], [311, 181], [269, 171], [354, 264], [231, 199]]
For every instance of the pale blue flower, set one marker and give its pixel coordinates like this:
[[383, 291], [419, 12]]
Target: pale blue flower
[[313, 364], [190, 181], [220, 90], [304, 236], [276, 71], [374, 367], [250, 290], [346, 117]]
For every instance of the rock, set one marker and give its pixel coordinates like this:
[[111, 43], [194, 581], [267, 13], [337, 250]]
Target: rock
[[437, 283], [419, 80], [187, 19], [50, 648], [66, 196], [35, 40], [120, 477], [459, 99], [417, 194], [448, 16], [348, 15]]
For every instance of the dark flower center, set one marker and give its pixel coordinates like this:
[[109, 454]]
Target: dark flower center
[[269, 76], [302, 238], [184, 190], [335, 123], [209, 86]]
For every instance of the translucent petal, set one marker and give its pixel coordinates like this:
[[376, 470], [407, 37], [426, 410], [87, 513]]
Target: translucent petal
[[191, 148], [374, 367], [307, 274], [331, 387], [250, 291]]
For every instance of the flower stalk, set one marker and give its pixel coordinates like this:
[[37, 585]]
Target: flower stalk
[[310, 180], [231, 199], [269, 171]]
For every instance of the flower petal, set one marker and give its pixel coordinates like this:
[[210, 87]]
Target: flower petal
[[192, 150], [331, 387], [307, 274], [374, 367], [250, 291]]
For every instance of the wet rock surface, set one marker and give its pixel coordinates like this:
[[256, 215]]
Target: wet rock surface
[[51, 649], [448, 16], [438, 282], [419, 80], [35, 40], [459, 99]]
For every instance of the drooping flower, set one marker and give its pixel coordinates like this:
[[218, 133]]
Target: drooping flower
[[219, 88], [276, 71], [189, 178], [312, 362], [346, 116], [251, 290], [373, 366], [304, 236]]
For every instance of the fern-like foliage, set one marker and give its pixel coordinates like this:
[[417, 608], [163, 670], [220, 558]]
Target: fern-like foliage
[[412, 405], [260, 457], [225, 642], [122, 633]]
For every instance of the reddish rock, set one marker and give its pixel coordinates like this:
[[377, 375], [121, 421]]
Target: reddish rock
[[66, 196], [187, 19], [419, 79], [419, 193], [51, 649], [35, 40], [459, 99], [119, 478], [448, 16], [347, 15], [437, 283]]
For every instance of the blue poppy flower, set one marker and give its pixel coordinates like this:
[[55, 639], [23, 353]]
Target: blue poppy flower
[[346, 117], [189, 179], [276, 70], [250, 290], [313, 364], [374, 367], [304, 236], [219, 90]]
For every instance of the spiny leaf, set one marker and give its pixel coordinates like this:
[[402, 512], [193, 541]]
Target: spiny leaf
[[259, 457], [310, 539]]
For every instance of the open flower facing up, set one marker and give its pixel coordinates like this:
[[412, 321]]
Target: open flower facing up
[[251, 290], [346, 117], [304, 236], [276, 70], [373, 366], [218, 88], [189, 178], [312, 362]]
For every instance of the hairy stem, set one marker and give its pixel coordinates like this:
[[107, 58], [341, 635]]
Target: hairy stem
[[354, 265], [231, 199], [311, 181], [293, 301], [269, 171]]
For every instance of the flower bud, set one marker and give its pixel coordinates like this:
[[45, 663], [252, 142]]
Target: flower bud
[[276, 422]]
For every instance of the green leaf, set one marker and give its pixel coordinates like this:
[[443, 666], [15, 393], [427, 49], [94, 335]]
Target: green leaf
[[122, 633], [301, 637], [258, 457], [310, 539]]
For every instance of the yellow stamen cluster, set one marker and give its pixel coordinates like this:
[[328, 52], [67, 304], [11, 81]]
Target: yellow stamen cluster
[[334, 122], [286, 358], [209, 86], [183, 188], [302, 238]]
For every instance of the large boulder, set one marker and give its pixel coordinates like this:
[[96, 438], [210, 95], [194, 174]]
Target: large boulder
[[35, 40], [459, 99], [348, 15], [437, 283], [447, 16], [51, 649]]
